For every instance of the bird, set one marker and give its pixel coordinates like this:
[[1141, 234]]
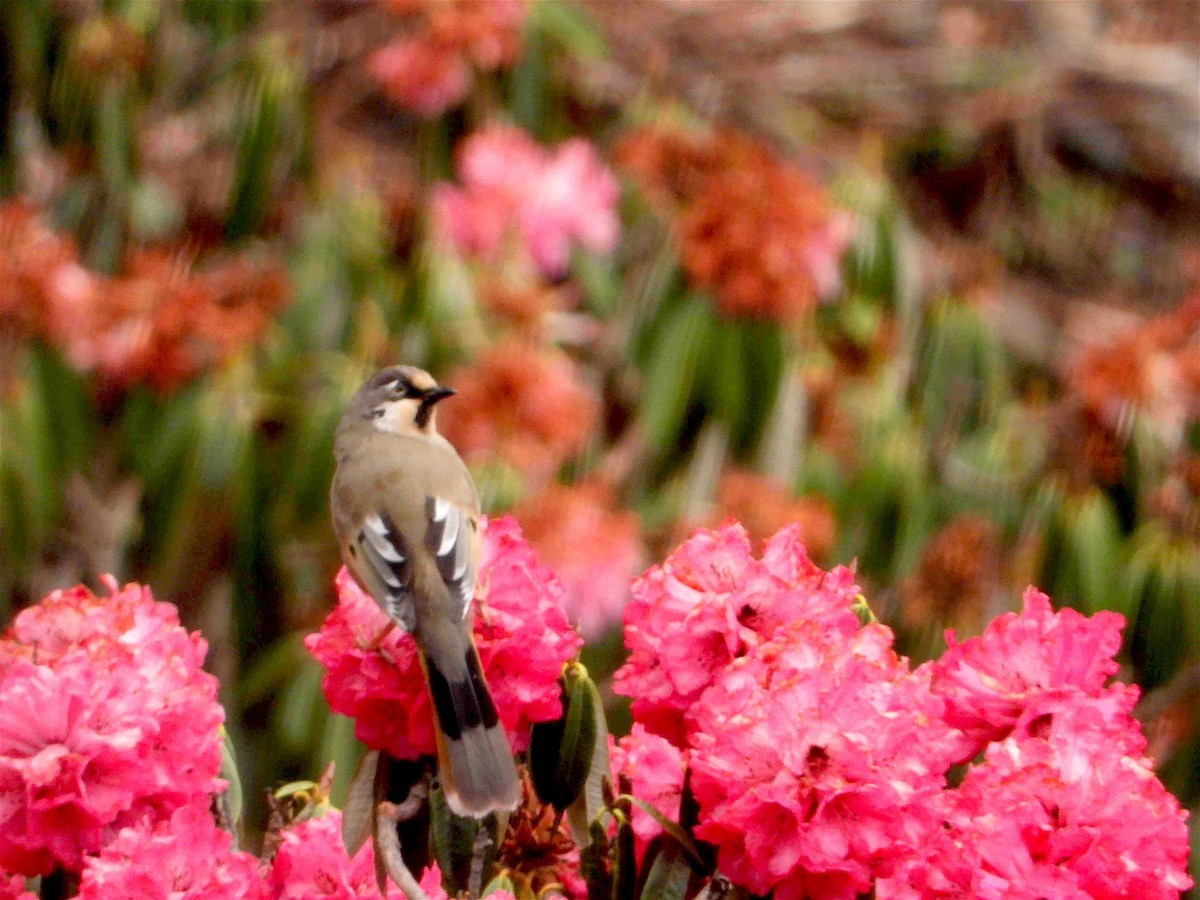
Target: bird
[[406, 515]]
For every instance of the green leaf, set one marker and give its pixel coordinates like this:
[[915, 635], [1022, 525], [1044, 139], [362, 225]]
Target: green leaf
[[666, 872], [229, 773], [562, 751], [569, 24], [499, 883], [590, 801], [694, 858], [671, 376]]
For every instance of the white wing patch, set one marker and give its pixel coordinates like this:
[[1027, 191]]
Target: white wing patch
[[381, 548], [452, 536]]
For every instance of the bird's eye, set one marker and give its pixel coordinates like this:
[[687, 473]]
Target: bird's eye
[[400, 389]]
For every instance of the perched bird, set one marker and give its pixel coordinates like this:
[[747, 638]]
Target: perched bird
[[406, 516]]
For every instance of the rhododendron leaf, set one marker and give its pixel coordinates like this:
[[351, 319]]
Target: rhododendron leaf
[[454, 840], [671, 374], [691, 851], [359, 812], [590, 801], [569, 25], [562, 751]]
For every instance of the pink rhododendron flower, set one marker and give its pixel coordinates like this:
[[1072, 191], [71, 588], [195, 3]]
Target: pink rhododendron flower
[[183, 858], [1061, 808], [712, 602], [311, 862], [520, 629], [655, 767], [814, 759], [517, 195], [988, 681], [106, 720]]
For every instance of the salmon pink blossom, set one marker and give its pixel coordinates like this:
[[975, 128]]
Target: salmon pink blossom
[[186, 857], [518, 196], [520, 629], [106, 720]]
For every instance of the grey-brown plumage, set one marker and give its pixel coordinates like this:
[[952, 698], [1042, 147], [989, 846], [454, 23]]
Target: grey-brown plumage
[[406, 517]]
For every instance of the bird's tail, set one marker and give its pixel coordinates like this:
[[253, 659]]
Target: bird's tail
[[474, 758]]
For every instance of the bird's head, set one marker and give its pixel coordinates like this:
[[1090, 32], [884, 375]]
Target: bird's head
[[400, 400]]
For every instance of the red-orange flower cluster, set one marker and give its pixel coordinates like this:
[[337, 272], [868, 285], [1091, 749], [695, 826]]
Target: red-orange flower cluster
[[523, 404], [158, 322], [1152, 370], [756, 230]]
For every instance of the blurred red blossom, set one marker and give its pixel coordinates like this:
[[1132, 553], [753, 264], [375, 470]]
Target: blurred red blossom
[[106, 719], [1152, 371], [655, 768], [430, 69], [712, 602], [988, 682], [764, 505], [186, 856], [311, 862], [36, 264], [158, 322], [519, 197], [757, 230], [593, 546], [422, 75], [521, 631], [523, 404]]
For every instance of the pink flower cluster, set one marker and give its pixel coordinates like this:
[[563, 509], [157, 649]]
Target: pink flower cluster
[[520, 629], [520, 198], [188, 856], [655, 769], [312, 862], [106, 720], [818, 757], [990, 682], [185, 856], [712, 602]]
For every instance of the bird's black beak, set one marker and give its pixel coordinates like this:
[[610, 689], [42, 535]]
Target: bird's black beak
[[428, 400], [437, 394]]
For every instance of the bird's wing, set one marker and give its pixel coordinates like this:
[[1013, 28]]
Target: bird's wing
[[382, 560], [452, 536]]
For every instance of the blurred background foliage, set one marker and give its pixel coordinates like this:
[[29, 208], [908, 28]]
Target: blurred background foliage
[[922, 277]]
